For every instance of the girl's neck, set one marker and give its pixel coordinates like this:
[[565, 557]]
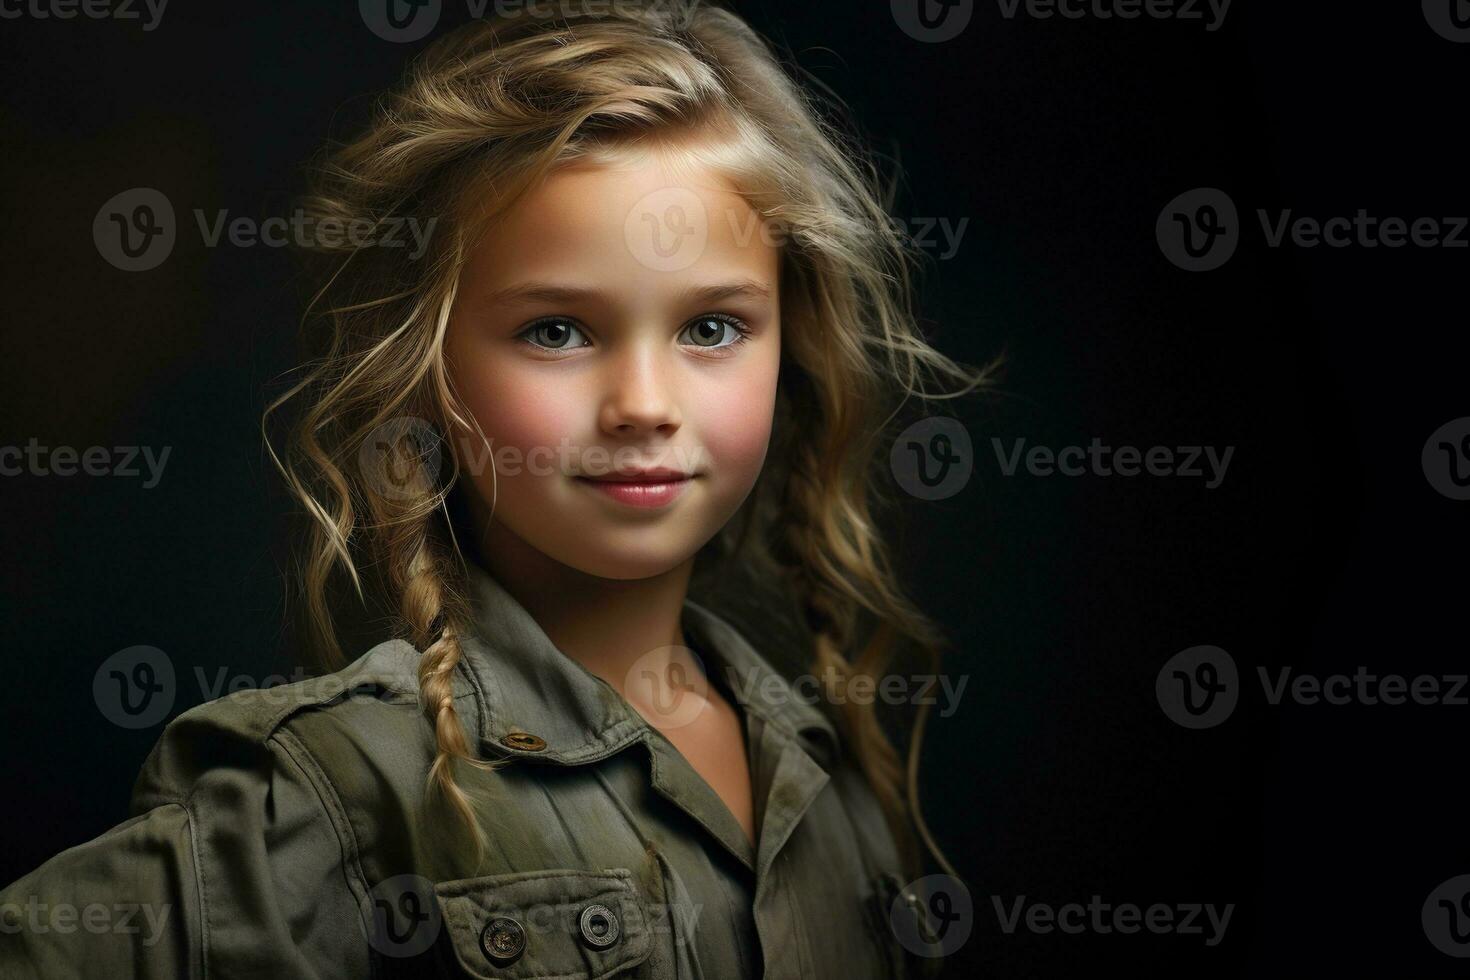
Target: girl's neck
[[604, 624]]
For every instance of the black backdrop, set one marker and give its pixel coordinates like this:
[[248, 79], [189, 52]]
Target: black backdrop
[[1326, 547]]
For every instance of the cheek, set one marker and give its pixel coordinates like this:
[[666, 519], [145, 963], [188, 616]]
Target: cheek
[[735, 425], [521, 412]]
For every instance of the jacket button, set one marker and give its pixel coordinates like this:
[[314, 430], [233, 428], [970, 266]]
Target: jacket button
[[524, 741], [599, 926], [503, 940]]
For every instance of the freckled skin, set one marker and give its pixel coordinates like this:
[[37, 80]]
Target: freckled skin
[[641, 393]]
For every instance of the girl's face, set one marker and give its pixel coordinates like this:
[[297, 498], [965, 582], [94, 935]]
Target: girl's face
[[612, 323]]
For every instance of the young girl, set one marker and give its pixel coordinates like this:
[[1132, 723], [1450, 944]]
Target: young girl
[[653, 346]]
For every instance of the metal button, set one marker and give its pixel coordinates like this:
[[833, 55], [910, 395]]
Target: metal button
[[524, 741], [503, 940], [599, 926]]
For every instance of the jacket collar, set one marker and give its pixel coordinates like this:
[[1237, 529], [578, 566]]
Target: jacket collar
[[523, 684]]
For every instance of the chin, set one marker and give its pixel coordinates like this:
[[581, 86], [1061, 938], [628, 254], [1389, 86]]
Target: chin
[[628, 566], [624, 553]]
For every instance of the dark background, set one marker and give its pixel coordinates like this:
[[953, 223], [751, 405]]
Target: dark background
[[1060, 777]]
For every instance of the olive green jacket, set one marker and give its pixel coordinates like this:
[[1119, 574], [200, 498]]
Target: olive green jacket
[[286, 833]]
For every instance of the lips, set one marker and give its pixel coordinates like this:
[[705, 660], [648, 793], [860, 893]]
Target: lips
[[643, 488]]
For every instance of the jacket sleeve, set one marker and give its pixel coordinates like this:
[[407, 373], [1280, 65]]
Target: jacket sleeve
[[232, 866]]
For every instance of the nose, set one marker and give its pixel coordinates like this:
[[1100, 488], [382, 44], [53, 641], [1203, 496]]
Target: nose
[[639, 400]]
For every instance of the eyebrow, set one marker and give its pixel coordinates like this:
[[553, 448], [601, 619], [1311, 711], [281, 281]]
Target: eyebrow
[[547, 292]]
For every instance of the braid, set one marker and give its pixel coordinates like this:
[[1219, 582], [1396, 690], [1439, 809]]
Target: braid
[[437, 616]]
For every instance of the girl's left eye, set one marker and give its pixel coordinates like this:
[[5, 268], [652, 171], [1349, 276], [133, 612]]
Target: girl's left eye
[[716, 330]]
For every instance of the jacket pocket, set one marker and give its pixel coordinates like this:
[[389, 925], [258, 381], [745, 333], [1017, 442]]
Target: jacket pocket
[[546, 925]]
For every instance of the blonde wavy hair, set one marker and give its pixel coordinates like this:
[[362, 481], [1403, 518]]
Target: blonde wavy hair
[[484, 113]]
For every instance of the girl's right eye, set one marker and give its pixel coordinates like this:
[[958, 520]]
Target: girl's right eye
[[554, 333]]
